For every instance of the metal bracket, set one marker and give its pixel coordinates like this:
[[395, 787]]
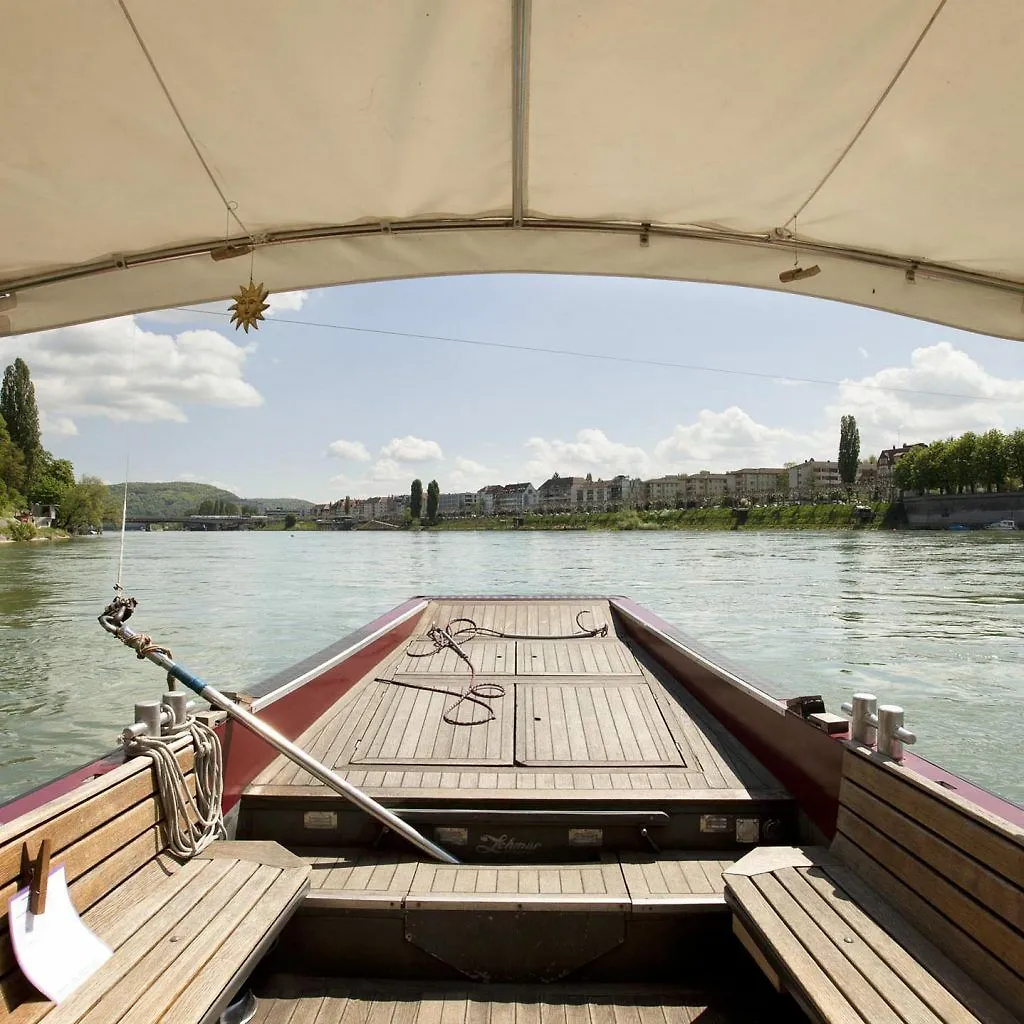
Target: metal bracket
[[645, 235]]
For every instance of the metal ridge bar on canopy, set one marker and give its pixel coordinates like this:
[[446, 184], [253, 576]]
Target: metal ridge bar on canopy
[[913, 265]]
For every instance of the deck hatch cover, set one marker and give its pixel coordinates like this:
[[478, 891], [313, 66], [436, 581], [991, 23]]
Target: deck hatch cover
[[591, 724], [407, 727], [575, 658]]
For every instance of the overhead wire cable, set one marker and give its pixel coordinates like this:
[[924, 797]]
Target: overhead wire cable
[[603, 357]]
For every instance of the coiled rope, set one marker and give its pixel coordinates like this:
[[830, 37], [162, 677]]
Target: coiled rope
[[190, 824], [478, 694]]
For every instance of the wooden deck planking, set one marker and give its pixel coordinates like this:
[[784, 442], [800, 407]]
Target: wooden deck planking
[[288, 1000], [490, 657], [612, 723], [408, 726], [639, 883], [674, 873], [524, 617], [564, 725], [593, 657]]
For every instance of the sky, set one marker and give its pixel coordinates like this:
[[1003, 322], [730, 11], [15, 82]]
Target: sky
[[743, 378]]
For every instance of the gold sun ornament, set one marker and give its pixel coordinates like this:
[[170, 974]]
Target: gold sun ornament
[[249, 305]]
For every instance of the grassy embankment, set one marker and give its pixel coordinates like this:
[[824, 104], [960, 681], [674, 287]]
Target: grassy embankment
[[12, 530], [774, 517]]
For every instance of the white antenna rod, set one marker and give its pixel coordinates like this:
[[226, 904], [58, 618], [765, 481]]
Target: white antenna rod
[[124, 518]]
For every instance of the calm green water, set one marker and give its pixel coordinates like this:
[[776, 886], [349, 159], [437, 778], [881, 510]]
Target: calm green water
[[931, 621]]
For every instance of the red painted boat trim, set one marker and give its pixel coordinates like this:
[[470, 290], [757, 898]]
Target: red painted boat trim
[[759, 720], [246, 755], [806, 761], [58, 787]]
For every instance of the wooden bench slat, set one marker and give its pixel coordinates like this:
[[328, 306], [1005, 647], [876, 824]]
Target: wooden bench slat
[[108, 784], [200, 940], [841, 971], [872, 961], [94, 885], [924, 967], [815, 984], [988, 887], [84, 816], [955, 943], [134, 936], [203, 999], [167, 949], [932, 888], [992, 840]]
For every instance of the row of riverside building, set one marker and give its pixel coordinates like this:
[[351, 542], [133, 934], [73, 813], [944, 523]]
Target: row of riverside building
[[802, 482]]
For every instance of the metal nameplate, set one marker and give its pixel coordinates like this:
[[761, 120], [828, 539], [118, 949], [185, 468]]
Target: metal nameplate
[[714, 823], [449, 836], [320, 819], [748, 830], [586, 836]]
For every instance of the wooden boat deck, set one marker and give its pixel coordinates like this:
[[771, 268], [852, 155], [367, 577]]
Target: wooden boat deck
[[287, 999], [583, 719], [637, 883]]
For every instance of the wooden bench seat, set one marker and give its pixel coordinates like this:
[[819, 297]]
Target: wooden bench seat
[[185, 936], [912, 916]]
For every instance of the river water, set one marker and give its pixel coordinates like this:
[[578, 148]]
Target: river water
[[933, 621]]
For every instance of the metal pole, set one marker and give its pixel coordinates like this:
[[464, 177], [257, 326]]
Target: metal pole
[[285, 746]]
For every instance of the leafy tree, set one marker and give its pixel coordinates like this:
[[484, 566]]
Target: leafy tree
[[82, 505], [849, 450], [19, 410], [416, 498], [906, 474], [51, 480], [289, 521], [963, 452], [12, 468], [992, 463], [433, 499], [1015, 454]]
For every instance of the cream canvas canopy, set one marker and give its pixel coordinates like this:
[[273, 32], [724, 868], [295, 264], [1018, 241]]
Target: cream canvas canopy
[[358, 140]]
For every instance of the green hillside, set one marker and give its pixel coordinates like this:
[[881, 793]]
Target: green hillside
[[180, 498]]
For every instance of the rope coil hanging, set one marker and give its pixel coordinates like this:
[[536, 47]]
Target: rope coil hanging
[[190, 823]]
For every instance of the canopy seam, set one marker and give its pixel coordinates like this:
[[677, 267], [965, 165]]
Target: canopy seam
[[228, 205], [874, 110], [520, 102]]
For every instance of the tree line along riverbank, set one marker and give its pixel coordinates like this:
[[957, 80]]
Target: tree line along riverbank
[[770, 517]]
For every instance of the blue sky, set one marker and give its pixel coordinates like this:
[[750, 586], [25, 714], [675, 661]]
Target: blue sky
[[320, 413]]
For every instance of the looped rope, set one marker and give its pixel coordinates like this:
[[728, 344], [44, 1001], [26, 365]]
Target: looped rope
[[479, 694], [190, 823]]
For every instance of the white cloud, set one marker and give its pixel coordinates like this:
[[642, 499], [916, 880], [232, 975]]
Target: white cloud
[[119, 370], [286, 302], [723, 441], [467, 475], [963, 396], [56, 426], [354, 451], [591, 452], [412, 449], [863, 351], [386, 470]]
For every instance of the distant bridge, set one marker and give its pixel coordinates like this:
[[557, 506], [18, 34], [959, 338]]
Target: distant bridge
[[214, 523]]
